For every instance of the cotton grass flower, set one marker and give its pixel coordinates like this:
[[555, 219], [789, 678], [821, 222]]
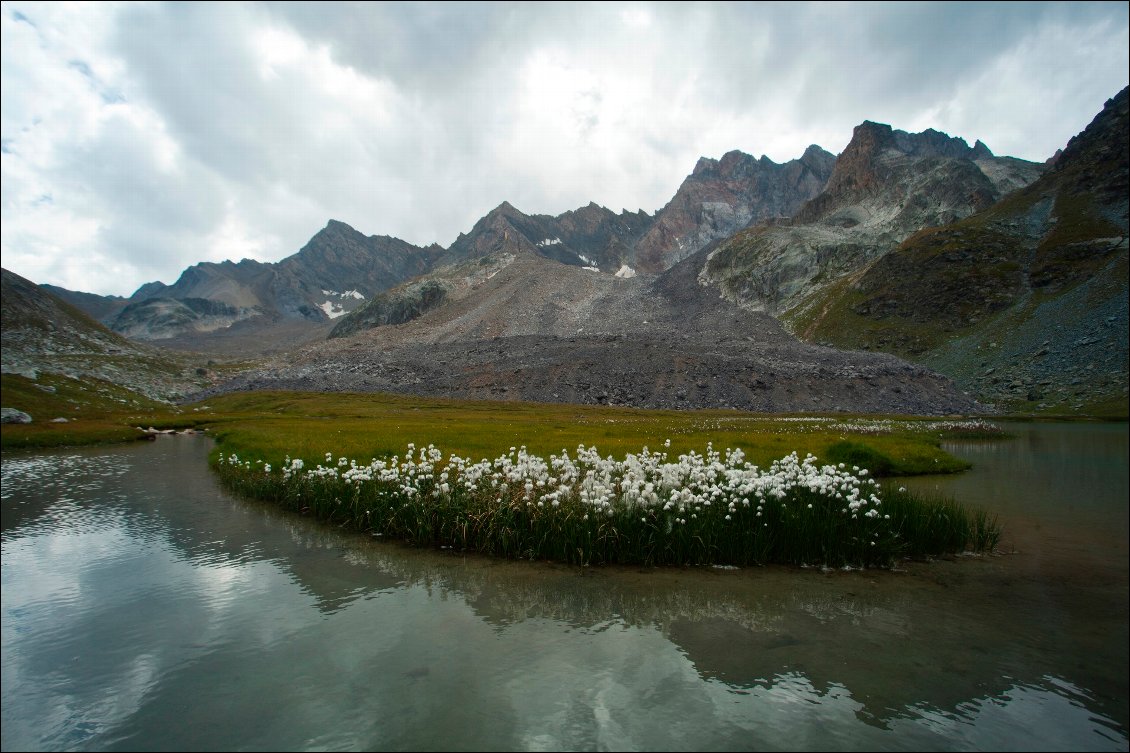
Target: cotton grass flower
[[581, 506]]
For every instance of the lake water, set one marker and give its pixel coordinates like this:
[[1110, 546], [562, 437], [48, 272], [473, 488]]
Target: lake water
[[146, 609]]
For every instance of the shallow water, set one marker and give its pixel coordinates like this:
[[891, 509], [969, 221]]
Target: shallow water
[[144, 608]]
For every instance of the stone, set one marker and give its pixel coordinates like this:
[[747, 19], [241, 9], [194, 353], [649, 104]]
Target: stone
[[13, 416]]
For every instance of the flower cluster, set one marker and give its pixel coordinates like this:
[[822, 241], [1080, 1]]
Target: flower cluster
[[644, 481], [712, 507], [869, 426]]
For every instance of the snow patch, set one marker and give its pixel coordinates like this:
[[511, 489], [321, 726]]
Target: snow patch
[[625, 271], [356, 294], [549, 242], [333, 310], [592, 269]]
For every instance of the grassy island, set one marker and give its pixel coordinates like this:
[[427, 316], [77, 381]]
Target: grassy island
[[712, 508], [793, 490]]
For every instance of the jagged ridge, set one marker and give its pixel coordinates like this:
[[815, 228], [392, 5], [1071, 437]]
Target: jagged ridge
[[886, 185]]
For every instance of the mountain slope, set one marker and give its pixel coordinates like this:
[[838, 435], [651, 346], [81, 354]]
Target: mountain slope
[[102, 308], [1025, 303], [42, 334], [886, 185], [530, 328]]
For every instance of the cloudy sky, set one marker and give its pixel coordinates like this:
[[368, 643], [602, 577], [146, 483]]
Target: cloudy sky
[[138, 139]]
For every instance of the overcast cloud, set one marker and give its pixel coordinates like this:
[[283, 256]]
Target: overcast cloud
[[139, 139]]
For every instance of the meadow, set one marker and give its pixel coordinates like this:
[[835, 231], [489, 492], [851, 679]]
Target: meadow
[[270, 426], [571, 483], [579, 484]]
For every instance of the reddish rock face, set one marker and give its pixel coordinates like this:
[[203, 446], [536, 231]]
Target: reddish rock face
[[878, 157]]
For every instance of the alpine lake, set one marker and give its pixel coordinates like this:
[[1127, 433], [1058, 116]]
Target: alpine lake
[[145, 608]]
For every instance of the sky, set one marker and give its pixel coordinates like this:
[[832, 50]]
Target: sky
[[137, 139]]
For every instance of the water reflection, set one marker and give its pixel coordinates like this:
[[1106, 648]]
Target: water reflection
[[148, 608]]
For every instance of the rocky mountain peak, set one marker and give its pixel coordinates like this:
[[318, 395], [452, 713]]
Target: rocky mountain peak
[[503, 217], [505, 209], [704, 165], [856, 166], [589, 215], [148, 290], [934, 143], [980, 151], [591, 236], [334, 231], [1023, 303], [495, 232], [869, 132], [877, 148], [1103, 142], [816, 156], [723, 196], [733, 162], [886, 185]]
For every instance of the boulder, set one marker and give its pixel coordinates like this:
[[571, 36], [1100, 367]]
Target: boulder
[[13, 416]]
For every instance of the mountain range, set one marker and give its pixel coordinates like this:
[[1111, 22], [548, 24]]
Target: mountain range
[[339, 268], [758, 286]]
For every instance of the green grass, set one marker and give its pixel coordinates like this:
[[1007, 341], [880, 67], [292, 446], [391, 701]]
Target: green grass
[[859, 454], [928, 527], [97, 412], [272, 425]]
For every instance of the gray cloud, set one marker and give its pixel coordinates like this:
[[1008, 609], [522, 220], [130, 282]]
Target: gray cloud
[[162, 135]]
